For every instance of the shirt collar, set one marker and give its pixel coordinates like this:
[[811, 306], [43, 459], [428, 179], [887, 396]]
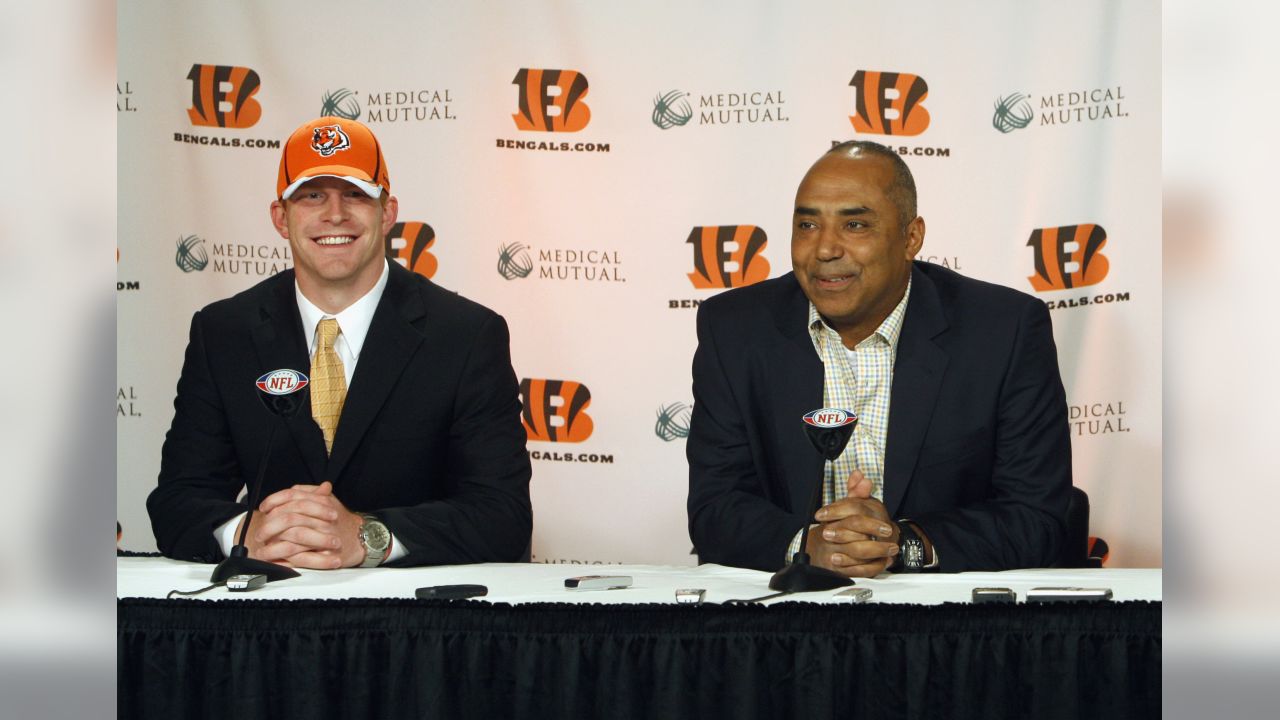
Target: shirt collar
[[354, 320], [887, 333]]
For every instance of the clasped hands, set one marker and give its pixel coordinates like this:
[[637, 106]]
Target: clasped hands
[[305, 526], [855, 536]]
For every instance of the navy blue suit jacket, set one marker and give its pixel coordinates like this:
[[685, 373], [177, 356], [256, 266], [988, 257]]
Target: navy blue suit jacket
[[429, 439], [978, 450]]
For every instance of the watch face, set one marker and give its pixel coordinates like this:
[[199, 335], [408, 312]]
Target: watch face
[[913, 554], [375, 535]]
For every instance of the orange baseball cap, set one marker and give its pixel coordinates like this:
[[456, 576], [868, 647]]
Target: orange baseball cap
[[333, 147]]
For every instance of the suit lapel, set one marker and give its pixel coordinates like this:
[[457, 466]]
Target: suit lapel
[[917, 378], [795, 385], [279, 342], [390, 344]]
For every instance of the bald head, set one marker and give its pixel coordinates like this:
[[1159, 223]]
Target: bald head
[[902, 188]]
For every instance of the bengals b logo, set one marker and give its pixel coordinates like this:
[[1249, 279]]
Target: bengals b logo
[[222, 96], [551, 100], [407, 243], [716, 266], [554, 410], [1068, 257], [890, 103]]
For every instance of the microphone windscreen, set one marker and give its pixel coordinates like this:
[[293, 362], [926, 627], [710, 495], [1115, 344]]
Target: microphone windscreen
[[282, 391]]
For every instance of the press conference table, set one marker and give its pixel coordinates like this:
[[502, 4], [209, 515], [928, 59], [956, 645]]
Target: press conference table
[[356, 643]]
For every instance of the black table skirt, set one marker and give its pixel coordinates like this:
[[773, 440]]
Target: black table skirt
[[431, 659]]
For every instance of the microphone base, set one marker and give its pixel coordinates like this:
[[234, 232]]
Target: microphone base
[[802, 577], [248, 566]]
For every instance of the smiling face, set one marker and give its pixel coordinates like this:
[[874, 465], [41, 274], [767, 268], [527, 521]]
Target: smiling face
[[849, 248], [336, 234]]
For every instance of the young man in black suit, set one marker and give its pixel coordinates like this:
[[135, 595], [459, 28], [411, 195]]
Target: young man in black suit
[[413, 454], [961, 458]]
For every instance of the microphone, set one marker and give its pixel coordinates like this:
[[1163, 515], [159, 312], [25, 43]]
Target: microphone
[[282, 392], [829, 429]]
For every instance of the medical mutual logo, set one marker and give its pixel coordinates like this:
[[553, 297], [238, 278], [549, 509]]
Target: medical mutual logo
[[231, 258], [341, 103], [673, 421], [1019, 110], [1013, 112], [676, 108], [517, 261], [125, 101], [671, 109], [1098, 418], [514, 262], [390, 106], [191, 256], [127, 404]]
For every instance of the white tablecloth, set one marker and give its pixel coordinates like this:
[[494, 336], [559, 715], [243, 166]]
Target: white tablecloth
[[535, 582]]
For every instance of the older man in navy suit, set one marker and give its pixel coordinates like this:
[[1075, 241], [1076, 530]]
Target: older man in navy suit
[[961, 457], [413, 452]]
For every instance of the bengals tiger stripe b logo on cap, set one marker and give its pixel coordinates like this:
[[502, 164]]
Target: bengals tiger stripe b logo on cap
[[222, 96], [407, 243], [551, 100], [1068, 257], [715, 265], [890, 103], [555, 410]]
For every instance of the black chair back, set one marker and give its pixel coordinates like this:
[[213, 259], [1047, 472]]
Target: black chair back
[[1075, 547]]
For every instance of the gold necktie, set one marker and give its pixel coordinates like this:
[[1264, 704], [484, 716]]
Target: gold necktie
[[328, 382]]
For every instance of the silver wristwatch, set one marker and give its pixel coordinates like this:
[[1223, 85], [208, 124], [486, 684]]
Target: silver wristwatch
[[376, 540]]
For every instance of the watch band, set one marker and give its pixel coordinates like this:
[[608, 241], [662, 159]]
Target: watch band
[[376, 540]]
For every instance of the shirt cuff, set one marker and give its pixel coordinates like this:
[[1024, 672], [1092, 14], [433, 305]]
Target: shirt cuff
[[226, 534], [794, 547], [397, 550]]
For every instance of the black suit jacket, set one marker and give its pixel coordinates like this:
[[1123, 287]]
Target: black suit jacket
[[978, 451], [429, 440]]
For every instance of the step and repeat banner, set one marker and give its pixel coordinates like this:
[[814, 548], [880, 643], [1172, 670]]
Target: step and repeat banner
[[593, 171]]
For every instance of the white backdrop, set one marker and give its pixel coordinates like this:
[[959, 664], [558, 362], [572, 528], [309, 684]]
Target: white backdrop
[[1077, 143]]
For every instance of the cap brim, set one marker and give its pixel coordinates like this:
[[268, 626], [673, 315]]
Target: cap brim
[[373, 190]]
